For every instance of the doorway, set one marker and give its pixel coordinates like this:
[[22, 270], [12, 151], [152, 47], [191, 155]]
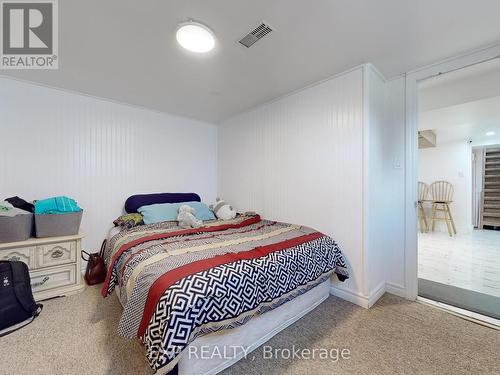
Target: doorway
[[458, 174]]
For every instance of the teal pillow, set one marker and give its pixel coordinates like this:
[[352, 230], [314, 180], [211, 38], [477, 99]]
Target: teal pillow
[[156, 213]]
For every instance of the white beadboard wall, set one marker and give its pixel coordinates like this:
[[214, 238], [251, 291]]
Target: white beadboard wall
[[384, 214], [98, 152], [300, 159], [392, 217], [375, 208], [328, 156]]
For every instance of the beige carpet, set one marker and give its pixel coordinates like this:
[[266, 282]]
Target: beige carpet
[[77, 335]]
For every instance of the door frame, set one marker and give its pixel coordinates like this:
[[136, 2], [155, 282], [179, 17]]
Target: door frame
[[411, 150]]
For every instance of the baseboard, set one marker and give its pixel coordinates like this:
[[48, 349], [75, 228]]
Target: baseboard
[[368, 301], [396, 289], [375, 295], [350, 296]]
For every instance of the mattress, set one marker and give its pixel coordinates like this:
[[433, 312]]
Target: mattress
[[178, 285]]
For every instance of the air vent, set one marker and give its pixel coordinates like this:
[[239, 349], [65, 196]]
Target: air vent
[[426, 139], [258, 33]]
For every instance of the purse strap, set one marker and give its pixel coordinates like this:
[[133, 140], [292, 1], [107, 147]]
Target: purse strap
[[101, 252], [103, 248], [87, 254]]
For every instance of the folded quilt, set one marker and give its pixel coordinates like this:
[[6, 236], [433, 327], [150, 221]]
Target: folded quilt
[[56, 205], [178, 284]]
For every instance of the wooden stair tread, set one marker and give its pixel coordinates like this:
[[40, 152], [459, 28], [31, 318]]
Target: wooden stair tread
[[492, 223], [491, 214]]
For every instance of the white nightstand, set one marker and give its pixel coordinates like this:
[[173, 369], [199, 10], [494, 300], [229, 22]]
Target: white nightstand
[[54, 263]]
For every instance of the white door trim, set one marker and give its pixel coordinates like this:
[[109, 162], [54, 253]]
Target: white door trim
[[411, 150]]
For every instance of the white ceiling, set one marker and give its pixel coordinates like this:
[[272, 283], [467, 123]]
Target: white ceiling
[[463, 105], [476, 82], [125, 49], [465, 122]]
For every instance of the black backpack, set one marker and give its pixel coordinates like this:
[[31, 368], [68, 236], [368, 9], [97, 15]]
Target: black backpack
[[17, 306]]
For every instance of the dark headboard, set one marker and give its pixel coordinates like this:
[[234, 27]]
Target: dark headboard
[[135, 201]]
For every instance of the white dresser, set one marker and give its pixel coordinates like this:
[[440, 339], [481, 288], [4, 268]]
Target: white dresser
[[54, 263]]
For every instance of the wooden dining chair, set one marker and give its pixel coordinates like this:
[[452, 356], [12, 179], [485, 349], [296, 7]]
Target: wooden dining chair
[[423, 189], [441, 193]]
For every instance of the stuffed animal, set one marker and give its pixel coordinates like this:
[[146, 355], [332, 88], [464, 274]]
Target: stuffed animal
[[187, 217], [223, 210]]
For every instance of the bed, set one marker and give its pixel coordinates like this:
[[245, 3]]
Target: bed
[[229, 283]]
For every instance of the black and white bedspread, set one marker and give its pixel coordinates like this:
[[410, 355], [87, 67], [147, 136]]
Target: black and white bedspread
[[177, 284]]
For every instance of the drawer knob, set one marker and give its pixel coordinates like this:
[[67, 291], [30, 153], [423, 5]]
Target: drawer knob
[[45, 279], [15, 258], [57, 254]]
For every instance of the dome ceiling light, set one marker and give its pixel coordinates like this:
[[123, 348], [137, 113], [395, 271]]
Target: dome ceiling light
[[195, 37]]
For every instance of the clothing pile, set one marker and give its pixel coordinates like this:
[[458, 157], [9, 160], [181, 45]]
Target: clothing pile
[[20, 220], [16, 220], [56, 205], [15, 206]]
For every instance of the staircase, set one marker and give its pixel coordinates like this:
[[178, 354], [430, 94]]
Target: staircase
[[491, 189]]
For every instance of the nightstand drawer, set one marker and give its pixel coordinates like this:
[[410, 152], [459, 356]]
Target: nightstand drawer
[[55, 254], [20, 254], [52, 278], [54, 264]]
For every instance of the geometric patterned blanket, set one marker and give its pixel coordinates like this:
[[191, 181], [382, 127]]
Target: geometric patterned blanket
[[178, 284]]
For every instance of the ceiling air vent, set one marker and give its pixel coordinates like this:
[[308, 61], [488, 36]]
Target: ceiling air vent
[[258, 33], [426, 139]]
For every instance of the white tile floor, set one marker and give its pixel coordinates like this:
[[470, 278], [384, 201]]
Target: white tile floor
[[469, 261]]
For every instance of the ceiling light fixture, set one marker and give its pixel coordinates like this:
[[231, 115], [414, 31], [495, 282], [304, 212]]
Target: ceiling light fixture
[[195, 37], [490, 133]]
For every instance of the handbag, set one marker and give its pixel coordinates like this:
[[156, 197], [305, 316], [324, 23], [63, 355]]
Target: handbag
[[96, 269]]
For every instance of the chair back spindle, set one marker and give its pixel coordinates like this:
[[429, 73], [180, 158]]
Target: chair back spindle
[[441, 191], [423, 190]]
